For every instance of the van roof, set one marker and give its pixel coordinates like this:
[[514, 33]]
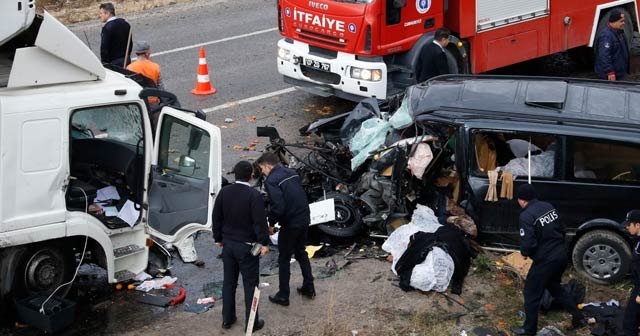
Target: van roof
[[544, 99]]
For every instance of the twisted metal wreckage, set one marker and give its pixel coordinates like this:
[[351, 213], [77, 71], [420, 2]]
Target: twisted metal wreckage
[[377, 165]]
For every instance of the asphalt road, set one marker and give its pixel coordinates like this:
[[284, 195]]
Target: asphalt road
[[240, 39]]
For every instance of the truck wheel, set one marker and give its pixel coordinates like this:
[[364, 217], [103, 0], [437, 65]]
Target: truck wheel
[[628, 26], [42, 269], [348, 221], [602, 256]]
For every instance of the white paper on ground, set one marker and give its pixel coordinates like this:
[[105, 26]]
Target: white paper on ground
[[322, 211], [107, 193], [142, 276], [159, 283], [129, 214]]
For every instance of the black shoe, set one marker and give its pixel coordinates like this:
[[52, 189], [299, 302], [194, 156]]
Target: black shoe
[[309, 293], [227, 325], [279, 300], [520, 331], [259, 324]]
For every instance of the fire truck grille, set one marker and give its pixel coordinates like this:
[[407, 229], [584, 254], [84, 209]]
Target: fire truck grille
[[320, 76], [325, 39]]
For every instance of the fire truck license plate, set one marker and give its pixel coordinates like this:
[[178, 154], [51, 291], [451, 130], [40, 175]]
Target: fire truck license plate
[[317, 65]]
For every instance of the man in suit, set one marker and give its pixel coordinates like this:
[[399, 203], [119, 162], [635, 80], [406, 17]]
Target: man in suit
[[239, 221], [115, 43], [433, 60], [289, 207]]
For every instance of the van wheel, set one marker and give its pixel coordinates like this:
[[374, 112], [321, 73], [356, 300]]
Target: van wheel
[[348, 221], [602, 256], [42, 269]]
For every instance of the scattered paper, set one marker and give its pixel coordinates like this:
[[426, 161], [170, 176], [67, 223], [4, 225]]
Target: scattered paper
[[129, 214], [148, 285], [322, 211], [107, 193], [110, 211], [142, 276]]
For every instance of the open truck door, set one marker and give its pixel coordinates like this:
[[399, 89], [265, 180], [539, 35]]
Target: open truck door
[[185, 178]]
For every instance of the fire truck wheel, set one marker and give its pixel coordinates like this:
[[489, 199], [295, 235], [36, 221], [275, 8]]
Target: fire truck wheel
[[601, 256], [628, 25], [42, 269], [453, 62], [348, 221]]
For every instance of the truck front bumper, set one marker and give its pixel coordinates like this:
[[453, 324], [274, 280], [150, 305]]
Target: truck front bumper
[[337, 81]]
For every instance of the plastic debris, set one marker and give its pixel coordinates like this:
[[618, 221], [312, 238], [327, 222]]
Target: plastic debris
[[312, 249], [206, 300], [160, 283], [228, 120]]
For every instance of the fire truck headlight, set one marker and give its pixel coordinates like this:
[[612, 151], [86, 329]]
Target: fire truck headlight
[[373, 75], [284, 54]]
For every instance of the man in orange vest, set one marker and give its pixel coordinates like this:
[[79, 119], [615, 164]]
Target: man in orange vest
[[144, 65]]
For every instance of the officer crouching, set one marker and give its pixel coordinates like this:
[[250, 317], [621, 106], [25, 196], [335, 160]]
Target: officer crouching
[[542, 239]]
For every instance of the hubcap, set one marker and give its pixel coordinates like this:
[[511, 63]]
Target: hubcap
[[601, 261], [44, 271], [343, 215]]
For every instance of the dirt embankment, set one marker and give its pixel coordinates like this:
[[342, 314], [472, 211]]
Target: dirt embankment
[[72, 11]]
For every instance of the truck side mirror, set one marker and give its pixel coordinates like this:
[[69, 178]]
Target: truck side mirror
[[399, 3], [187, 165], [267, 131], [195, 136]]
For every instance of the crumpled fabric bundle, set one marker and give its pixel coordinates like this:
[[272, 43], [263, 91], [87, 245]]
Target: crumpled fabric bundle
[[420, 160], [506, 191], [434, 274], [369, 138], [492, 191], [423, 219], [541, 165]]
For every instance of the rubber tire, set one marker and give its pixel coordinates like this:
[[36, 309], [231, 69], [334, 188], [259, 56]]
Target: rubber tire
[[67, 261], [602, 237], [628, 27], [352, 230]]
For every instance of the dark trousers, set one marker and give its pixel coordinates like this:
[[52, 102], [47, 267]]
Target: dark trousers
[[237, 260], [546, 275], [630, 322], [292, 241]]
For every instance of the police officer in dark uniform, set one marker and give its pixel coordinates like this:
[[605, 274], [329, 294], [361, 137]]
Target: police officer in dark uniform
[[630, 322], [542, 240], [239, 221], [288, 206]]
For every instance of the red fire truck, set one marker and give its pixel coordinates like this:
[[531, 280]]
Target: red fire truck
[[369, 48]]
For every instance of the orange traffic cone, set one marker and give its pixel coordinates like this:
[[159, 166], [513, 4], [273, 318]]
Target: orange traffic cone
[[203, 84]]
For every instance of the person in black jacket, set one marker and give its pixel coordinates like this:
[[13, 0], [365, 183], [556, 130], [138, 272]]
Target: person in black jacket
[[115, 37], [433, 60], [239, 221], [542, 240], [289, 207], [630, 322], [612, 53]]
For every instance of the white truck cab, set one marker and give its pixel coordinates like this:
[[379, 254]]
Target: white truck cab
[[73, 133]]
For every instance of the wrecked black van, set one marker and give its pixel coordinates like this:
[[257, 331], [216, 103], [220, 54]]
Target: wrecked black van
[[463, 144]]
